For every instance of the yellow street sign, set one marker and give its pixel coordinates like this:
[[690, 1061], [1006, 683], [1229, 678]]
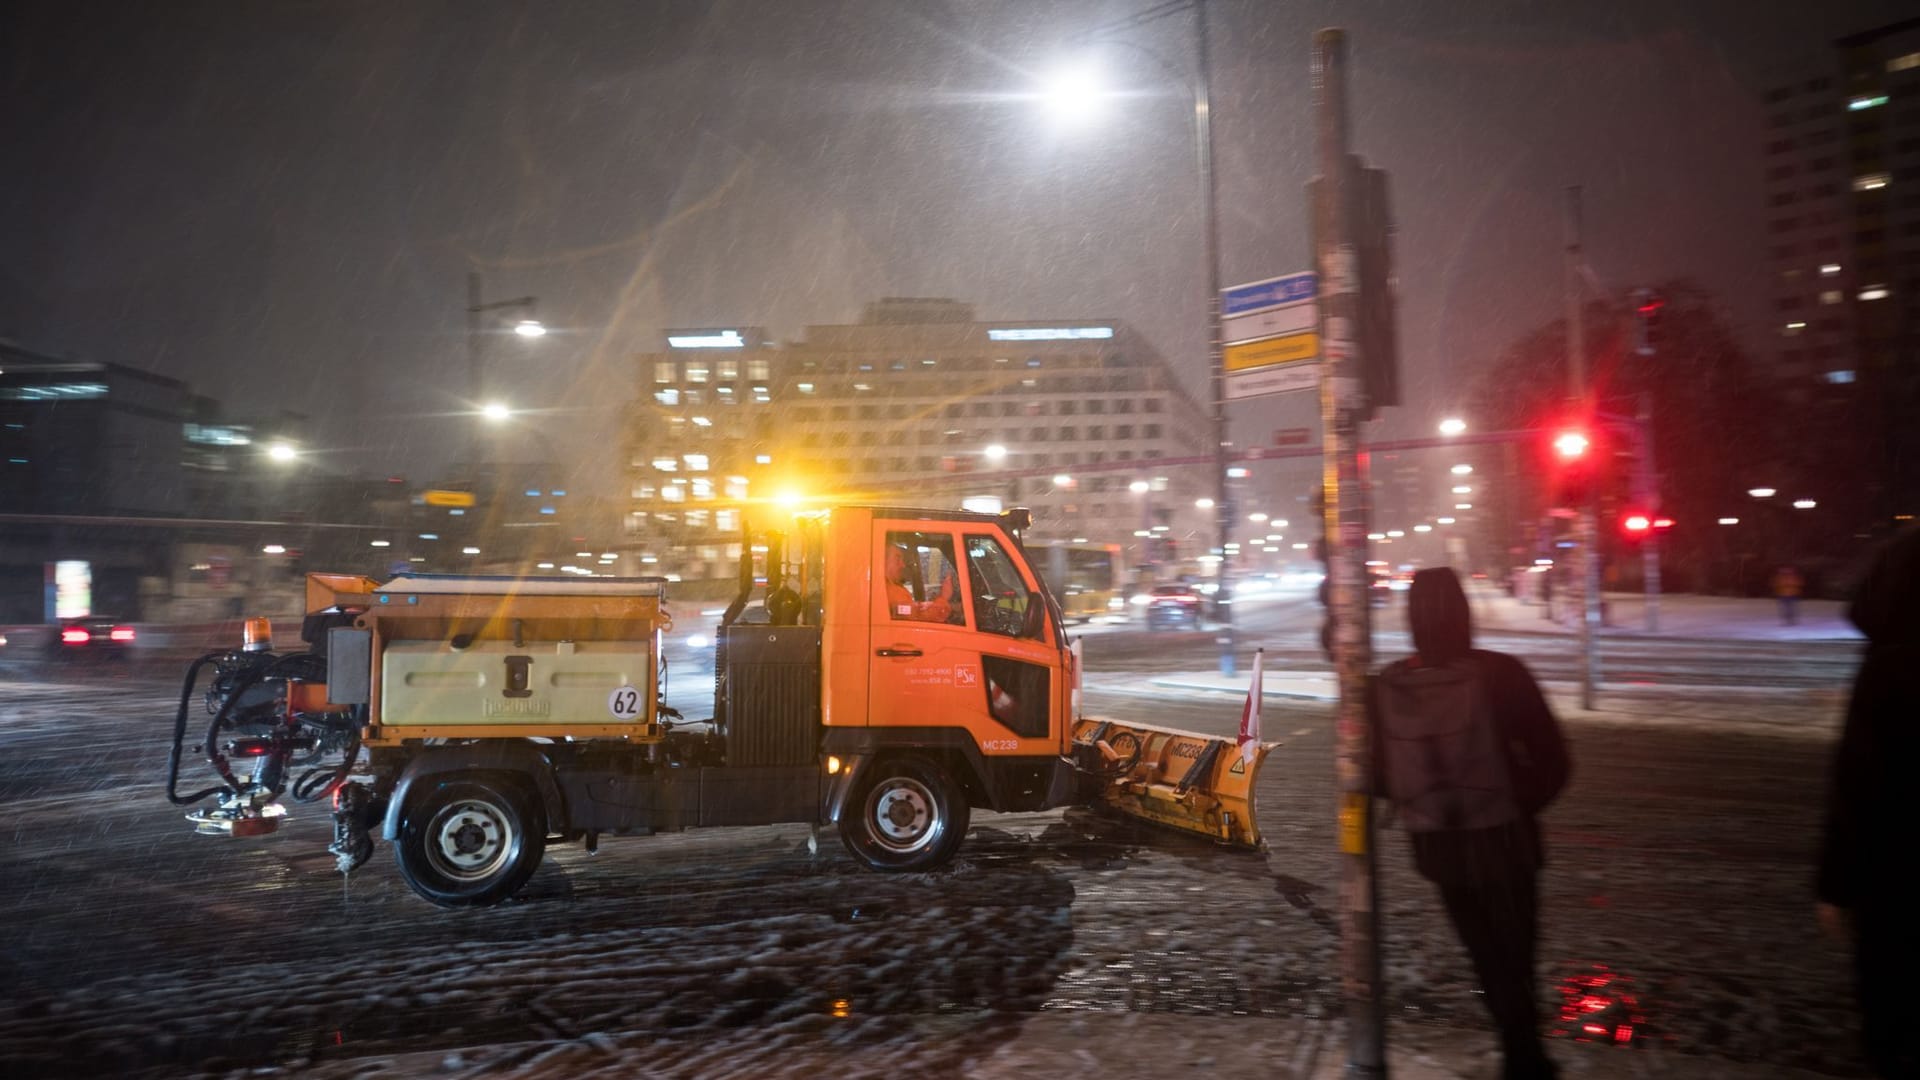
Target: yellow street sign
[[447, 498], [1280, 350]]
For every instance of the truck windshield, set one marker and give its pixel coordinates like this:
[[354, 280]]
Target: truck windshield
[[1000, 595]]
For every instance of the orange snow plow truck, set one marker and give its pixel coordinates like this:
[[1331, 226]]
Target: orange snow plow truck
[[881, 670]]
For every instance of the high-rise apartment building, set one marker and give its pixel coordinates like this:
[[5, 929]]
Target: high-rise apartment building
[[918, 403], [1842, 161]]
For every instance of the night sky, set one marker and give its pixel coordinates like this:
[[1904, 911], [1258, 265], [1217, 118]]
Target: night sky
[[279, 202]]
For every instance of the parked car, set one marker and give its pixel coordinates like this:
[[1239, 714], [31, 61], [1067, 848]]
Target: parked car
[[1173, 607], [99, 636]]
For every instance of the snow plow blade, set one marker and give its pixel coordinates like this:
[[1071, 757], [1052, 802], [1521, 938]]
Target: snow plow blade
[[1195, 783]]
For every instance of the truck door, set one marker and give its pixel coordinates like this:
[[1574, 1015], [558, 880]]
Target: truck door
[[961, 640]]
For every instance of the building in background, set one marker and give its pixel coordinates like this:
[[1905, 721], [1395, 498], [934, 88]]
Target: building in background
[[1842, 161], [919, 403]]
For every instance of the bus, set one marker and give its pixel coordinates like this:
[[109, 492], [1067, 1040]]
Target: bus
[[1090, 580]]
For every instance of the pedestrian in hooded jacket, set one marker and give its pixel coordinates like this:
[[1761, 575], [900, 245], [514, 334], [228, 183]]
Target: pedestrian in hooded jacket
[[1479, 844], [1866, 856]]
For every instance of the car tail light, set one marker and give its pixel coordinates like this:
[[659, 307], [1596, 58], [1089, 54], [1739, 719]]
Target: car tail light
[[121, 633], [74, 635]]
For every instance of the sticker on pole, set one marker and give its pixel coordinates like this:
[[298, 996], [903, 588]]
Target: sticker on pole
[[625, 703]]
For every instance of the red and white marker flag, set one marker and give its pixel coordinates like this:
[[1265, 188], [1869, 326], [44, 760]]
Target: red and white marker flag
[[1250, 715]]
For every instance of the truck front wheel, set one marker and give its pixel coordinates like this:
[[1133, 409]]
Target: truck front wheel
[[908, 814], [469, 842]]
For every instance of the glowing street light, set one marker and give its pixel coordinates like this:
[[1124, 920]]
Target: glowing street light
[[1462, 470], [282, 452], [996, 453], [495, 412], [1453, 425], [1063, 481], [1761, 492], [530, 328], [1075, 95]]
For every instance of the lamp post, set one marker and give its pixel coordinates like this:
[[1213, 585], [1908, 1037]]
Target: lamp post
[[1223, 509], [477, 312]]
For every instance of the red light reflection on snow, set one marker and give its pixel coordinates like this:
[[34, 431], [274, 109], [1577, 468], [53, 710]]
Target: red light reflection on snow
[[1599, 1006]]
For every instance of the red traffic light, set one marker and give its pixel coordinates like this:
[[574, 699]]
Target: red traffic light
[[1663, 523], [1571, 445]]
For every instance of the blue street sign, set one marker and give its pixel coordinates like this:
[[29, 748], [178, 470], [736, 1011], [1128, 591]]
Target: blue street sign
[[1272, 293]]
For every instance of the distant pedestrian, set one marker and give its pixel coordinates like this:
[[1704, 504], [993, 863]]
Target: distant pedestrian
[[1787, 586], [1469, 752], [1867, 853]]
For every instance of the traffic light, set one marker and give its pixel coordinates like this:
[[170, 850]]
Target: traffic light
[[1371, 227], [1647, 307], [1572, 464], [1637, 525]]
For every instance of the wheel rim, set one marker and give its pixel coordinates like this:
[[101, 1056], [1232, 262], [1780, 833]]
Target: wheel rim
[[470, 839], [902, 815]]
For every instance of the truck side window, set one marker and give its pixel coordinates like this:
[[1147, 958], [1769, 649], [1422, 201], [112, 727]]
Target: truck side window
[[921, 579], [1000, 595]]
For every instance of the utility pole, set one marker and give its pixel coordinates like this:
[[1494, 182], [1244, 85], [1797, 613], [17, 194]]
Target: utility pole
[[1343, 406], [1223, 507], [1586, 530], [1646, 479], [1649, 486]]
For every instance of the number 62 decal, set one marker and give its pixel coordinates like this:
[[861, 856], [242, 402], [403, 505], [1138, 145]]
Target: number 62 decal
[[625, 703]]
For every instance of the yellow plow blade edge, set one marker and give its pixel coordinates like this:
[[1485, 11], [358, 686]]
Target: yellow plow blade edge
[[1187, 781]]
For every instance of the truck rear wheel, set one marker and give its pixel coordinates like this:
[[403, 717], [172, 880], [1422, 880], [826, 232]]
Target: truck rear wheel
[[470, 842], [908, 815]]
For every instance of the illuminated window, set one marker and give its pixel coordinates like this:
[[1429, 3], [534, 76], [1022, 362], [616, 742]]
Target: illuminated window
[[695, 462], [663, 371], [1829, 269], [1793, 328], [54, 392], [758, 370], [666, 464], [1874, 292], [1870, 181], [736, 487], [667, 396], [697, 371]]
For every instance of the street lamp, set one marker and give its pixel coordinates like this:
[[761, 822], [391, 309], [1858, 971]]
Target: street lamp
[[477, 312], [1073, 87], [1453, 425]]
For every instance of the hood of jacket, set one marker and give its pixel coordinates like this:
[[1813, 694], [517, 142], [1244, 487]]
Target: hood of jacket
[[1886, 607]]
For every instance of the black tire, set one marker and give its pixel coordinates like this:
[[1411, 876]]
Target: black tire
[[469, 841], [907, 814]]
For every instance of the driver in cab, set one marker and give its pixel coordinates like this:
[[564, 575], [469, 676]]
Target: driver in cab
[[900, 601]]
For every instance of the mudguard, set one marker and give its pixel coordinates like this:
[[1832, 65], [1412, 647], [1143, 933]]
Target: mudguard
[[1180, 779]]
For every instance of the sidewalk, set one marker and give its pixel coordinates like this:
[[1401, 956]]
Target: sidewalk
[[1682, 616]]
